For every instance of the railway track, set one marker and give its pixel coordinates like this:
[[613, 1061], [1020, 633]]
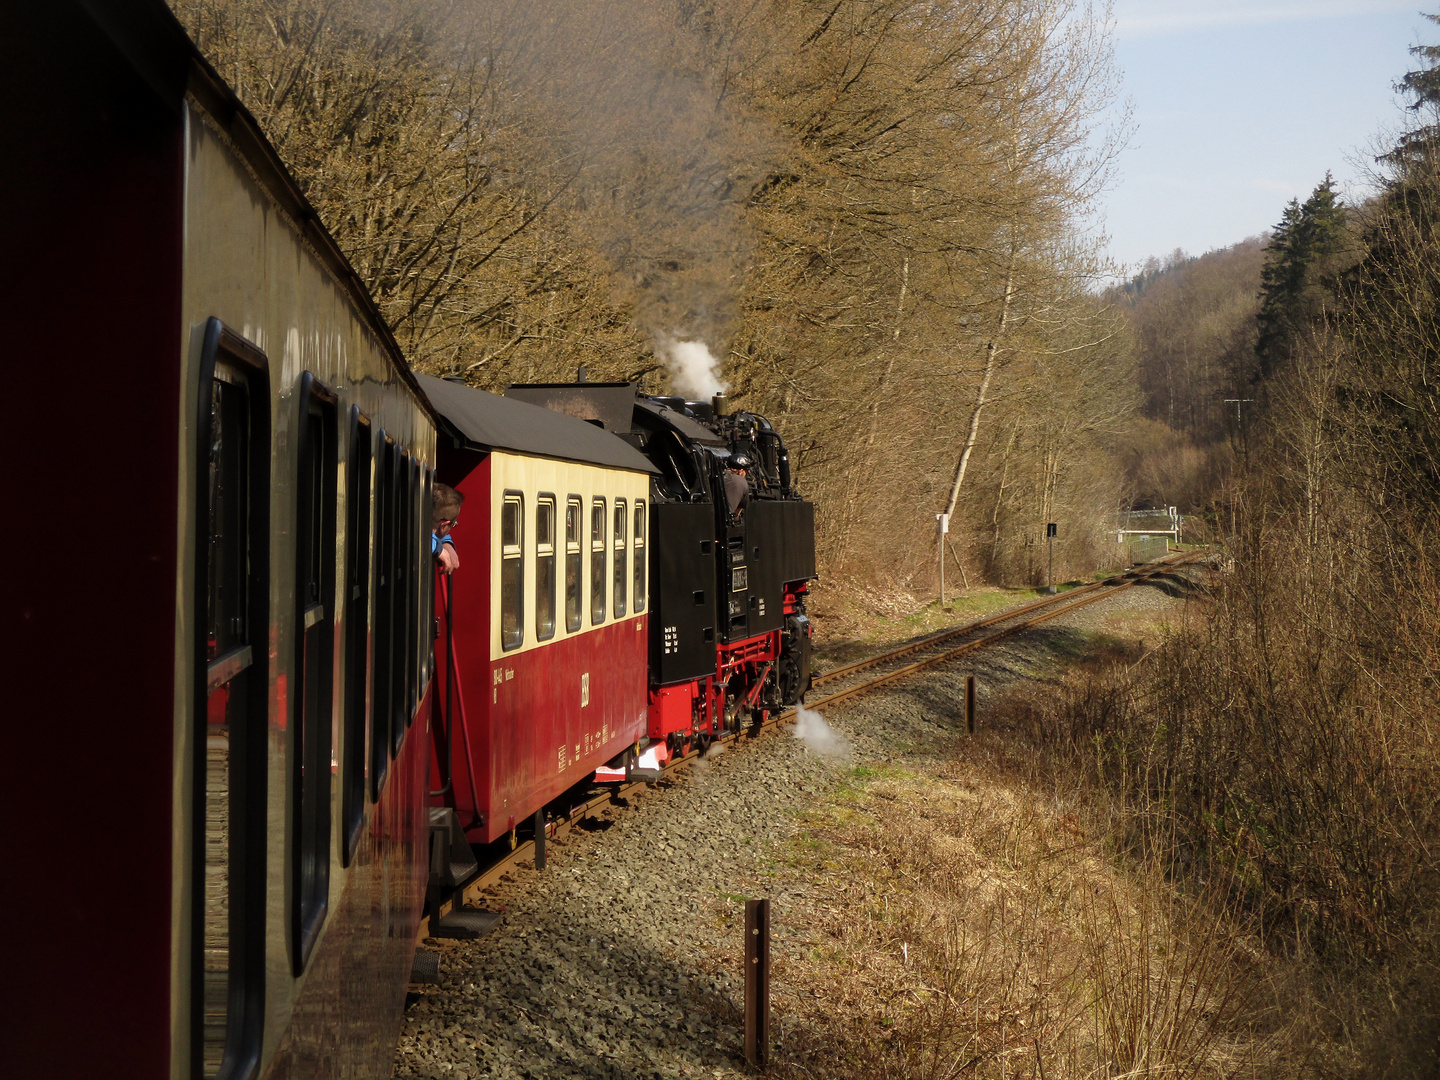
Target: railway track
[[933, 650]]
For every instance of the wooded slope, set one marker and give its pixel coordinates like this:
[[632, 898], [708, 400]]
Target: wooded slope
[[872, 212]]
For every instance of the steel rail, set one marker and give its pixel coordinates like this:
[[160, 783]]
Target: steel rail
[[1053, 612], [597, 805], [990, 620]]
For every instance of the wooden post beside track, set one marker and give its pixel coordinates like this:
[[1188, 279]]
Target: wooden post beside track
[[757, 981], [970, 704]]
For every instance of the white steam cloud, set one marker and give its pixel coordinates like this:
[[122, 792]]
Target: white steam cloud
[[819, 737], [694, 372], [702, 763]]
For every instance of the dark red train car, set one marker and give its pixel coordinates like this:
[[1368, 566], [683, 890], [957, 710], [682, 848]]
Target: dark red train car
[[215, 584], [548, 618]]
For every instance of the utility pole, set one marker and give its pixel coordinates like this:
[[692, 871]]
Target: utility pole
[[1237, 402]]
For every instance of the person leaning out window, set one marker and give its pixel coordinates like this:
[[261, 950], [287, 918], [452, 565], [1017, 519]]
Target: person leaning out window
[[445, 514]]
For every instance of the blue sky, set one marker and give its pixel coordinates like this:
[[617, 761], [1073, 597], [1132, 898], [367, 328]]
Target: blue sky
[[1241, 104]]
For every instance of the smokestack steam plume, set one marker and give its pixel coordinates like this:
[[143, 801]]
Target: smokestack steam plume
[[694, 371]]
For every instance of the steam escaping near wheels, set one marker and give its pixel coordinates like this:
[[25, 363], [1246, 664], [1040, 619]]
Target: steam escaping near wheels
[[818, 736], [702, 764]]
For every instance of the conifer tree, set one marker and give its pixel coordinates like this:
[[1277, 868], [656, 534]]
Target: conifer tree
[[1297, 279]]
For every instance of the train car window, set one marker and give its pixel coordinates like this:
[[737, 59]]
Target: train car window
[[357, 628], [414, 584], [428, 626], [574, 511], [622, 568], [597, 560], [310, 726], [381, 619], [401, 615], [639, 556], [545, 568], [230, 703], [512, 571]]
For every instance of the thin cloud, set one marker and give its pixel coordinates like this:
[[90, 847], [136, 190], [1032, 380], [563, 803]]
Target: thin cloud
[[1155, 18]]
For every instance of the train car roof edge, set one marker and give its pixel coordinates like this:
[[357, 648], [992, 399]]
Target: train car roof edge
[[493, 422]]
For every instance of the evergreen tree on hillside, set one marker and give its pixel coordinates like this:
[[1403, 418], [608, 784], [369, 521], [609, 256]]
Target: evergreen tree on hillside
[[1423, 87], [1390, 310], [1297, 279]]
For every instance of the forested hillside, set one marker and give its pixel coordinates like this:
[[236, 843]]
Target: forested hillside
[[872, 213], [1193, 324]]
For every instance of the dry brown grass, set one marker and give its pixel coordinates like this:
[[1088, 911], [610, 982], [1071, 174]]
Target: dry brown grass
[[960, 924], [1207, 851]]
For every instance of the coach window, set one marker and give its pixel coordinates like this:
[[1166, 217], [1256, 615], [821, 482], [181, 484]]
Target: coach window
[[414, 573], [357, 627], [403, 600], [639, 556], [622, 568], [382, 675], [231, 675], [597, 560], [545, 568], [574, 511], [427, 579], [512, 570], [310, 733]]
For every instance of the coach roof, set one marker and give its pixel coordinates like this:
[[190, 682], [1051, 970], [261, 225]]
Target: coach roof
[[490, 422]]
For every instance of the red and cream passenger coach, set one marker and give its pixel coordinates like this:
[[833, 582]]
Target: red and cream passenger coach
[[544, 648]]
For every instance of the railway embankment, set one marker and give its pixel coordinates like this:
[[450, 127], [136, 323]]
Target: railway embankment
[[924, 900]]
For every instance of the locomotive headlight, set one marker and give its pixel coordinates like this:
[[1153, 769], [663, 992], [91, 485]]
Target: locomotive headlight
[[740, 579]]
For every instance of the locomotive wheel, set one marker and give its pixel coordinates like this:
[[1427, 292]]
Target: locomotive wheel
[[732, 715]]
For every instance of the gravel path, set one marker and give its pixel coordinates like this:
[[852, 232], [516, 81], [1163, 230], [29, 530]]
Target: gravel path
[[616, 961]]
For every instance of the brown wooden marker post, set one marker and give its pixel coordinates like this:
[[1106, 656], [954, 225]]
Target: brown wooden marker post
[[757, 981], [970, 704]]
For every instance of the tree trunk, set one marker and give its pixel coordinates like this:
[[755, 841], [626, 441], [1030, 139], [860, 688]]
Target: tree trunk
[[984, 389]]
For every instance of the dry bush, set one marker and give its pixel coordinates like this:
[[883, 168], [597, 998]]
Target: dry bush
[[1287, 746], [1280, 756]]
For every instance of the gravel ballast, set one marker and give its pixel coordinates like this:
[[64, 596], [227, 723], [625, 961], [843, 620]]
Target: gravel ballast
[[621, 959]]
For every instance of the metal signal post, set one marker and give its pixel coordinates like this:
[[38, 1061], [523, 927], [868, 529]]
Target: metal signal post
[[1050, 529]]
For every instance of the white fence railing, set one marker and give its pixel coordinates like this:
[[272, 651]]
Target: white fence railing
[[1148, 548]]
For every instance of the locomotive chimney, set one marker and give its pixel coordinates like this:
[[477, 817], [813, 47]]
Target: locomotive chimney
[[718, 404]]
